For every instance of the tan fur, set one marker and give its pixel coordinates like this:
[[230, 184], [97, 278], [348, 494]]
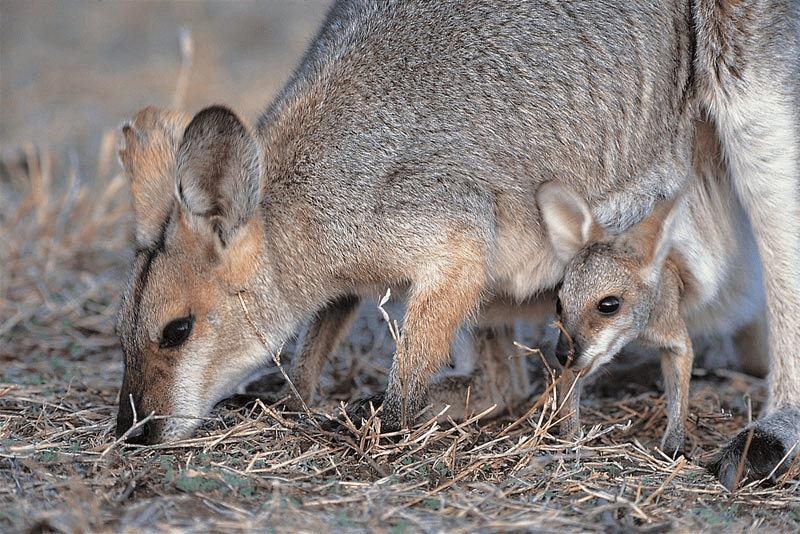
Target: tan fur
[[494, 378], [407, 153], [650, 270]]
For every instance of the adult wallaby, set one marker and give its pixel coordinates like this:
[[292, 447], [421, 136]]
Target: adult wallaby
[[406, 150], [486, 373], [688, 268]]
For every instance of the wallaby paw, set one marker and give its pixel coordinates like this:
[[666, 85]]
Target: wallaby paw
[[765, 454]]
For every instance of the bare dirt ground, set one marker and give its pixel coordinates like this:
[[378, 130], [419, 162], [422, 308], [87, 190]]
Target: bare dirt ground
[[71, 72]]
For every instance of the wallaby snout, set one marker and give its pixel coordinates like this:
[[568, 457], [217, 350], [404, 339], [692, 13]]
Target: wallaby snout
[[131, 413]]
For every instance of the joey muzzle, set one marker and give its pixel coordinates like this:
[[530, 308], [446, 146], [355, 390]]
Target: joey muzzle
[[566, 351]]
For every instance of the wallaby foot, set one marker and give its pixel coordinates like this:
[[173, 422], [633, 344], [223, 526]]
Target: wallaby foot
[[673, 445], [770, 438]]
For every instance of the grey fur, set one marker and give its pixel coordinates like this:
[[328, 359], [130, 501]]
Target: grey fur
[[407, 147]]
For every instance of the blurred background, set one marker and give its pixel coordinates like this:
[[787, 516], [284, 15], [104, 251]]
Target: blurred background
[[70, 70]]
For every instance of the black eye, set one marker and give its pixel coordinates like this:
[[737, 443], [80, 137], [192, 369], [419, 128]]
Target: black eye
[[608, 306], [176, 332], [559, 309]]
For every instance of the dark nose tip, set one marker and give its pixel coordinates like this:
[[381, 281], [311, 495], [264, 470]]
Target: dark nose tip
[[566, 352], [138, 435], [141, 434], [126, 419]]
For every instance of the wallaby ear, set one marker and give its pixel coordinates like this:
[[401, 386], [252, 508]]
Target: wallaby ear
[[567, 218], [218, 172], [654, 235], [149, 146]]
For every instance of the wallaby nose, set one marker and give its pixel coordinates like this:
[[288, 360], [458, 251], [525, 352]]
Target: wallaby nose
[[139, 435], [566, 351], [124, 417], [125, 420]]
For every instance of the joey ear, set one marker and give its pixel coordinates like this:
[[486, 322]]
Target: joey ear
[[218, 172], [149, 146], [654, 235], [567, 218]]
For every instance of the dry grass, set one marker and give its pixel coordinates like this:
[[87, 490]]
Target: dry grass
[[255, 468], [63, 261]]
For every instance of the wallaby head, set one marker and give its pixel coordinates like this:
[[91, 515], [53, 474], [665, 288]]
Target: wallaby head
[[195, 189], [611, 282]]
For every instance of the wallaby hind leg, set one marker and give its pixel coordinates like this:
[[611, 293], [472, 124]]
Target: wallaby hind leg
[[324, 333], [497, 378], [750, 60]]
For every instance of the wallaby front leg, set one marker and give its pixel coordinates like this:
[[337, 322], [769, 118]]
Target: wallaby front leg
[[433, 313], [676, 366]]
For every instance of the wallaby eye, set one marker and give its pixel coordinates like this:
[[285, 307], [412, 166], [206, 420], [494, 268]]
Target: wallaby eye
[[176, 332], [559, 309], [608, 306]]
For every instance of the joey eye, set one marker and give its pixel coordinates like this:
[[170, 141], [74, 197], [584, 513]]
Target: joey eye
[[608, 306], [559, 309], [176, 332]]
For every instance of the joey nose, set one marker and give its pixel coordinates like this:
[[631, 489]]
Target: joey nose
[[566, 351]]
